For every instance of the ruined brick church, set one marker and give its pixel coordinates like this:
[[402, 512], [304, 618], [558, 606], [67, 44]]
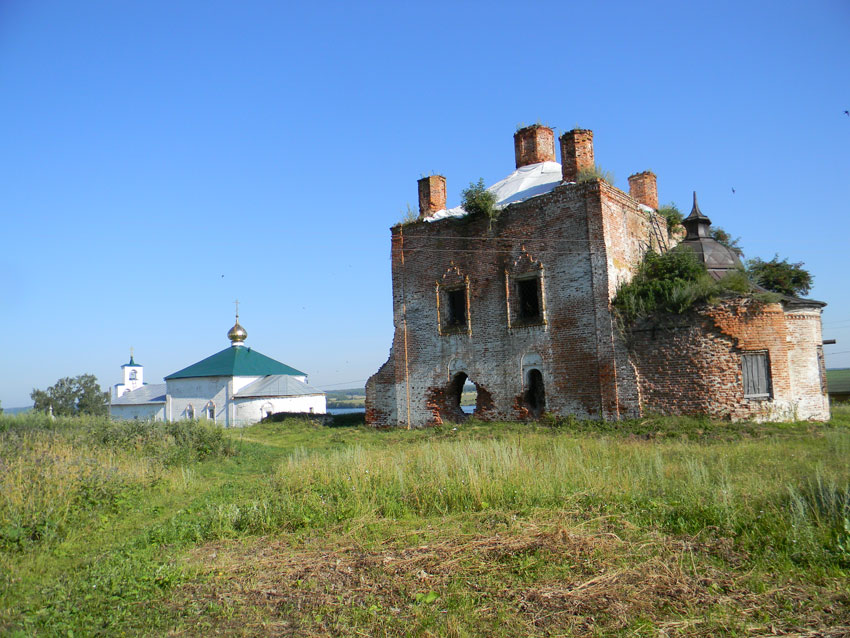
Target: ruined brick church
[[519, 304]]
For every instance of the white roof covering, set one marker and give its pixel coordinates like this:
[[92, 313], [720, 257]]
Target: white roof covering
[[276, 385], [524, 183], [153, 393]]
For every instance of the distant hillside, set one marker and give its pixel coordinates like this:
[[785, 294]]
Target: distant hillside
[[16, 410], [838, 380], [350, 398]]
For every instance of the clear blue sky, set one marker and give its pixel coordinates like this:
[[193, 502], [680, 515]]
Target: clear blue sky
[[160, 159]]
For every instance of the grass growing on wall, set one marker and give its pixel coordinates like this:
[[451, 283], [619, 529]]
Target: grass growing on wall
[[690, 526]]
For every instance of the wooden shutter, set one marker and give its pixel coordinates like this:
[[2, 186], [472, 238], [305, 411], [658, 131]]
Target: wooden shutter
[[756, 368]]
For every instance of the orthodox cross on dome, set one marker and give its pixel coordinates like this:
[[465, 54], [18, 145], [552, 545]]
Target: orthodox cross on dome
[[237, 309]]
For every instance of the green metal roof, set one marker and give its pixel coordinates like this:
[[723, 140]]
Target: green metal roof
[[132, 363], [838, 381], [235, 361]]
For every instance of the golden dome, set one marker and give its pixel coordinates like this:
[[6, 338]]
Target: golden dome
[[237, 334]]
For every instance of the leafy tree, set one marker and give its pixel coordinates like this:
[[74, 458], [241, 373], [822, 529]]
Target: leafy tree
[[718, 234], [672, 214], [780, 276], [71, 396], [1, 407], [477, 199]]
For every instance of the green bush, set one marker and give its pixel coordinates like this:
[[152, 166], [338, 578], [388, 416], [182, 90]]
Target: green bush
[[172, 443], [720, 235], [408, 216], [672, 283], [673, 215], [597, 172], [477, 200], [779, 276]]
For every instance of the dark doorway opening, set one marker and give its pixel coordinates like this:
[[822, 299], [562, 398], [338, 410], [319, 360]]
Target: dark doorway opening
[[535, 394], [454, 392]]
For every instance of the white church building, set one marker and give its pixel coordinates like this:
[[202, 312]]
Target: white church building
[[235, 387]]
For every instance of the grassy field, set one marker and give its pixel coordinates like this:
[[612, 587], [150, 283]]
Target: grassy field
[[658, 526], [351, 398]]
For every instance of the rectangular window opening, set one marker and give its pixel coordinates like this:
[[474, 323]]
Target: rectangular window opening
[[456, 308], [756, 369], [528, 294]]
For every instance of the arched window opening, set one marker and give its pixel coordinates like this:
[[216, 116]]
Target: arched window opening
[[458, 400], [133, 375], [190, 411], [268, 410], [535, 395], [211, 411], [456, 389]]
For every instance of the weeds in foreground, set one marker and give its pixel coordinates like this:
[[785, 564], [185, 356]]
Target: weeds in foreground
[[748, 519], [56, 473]]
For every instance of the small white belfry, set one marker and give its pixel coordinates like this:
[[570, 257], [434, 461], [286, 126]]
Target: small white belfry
[[133, 377], [235, 387]]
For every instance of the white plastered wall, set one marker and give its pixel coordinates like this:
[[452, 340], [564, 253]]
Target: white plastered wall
[[197, 392], [140, 411], [251, 410]]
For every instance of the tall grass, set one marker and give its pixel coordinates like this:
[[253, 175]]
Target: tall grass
[[54, 473], [755, 492], [777, 497]]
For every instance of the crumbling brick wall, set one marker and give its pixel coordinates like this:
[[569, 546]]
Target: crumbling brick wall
[[580, 240], [464, 307], [692, 364]]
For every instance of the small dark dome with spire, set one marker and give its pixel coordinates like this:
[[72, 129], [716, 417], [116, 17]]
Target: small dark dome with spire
[[718, 259]]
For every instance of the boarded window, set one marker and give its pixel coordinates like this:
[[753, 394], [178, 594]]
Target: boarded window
[[756, 367], [528, 300]]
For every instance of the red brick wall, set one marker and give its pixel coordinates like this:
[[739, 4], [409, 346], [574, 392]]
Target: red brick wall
[[534, 144], [644, 188], [432, 194], [692, 364], [572, 236], [576, 153]]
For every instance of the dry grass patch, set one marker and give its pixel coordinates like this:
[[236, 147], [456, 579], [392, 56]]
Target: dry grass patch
[[550, 581]]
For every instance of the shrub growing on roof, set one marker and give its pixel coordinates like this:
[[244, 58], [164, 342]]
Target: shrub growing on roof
[[478, 200], [777, 275], [672, 283]]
